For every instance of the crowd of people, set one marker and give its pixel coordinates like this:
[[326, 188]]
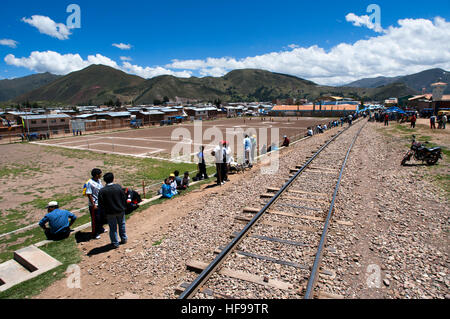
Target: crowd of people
[[386, 117], [174, 185], [108, 205], [441, 120]]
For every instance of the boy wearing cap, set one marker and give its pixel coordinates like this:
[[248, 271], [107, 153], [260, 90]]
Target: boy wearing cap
[[58, 221]]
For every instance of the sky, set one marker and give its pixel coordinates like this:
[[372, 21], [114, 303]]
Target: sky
[[328, 42]]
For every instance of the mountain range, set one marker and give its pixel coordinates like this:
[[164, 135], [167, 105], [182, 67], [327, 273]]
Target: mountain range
[[416, 81], [98, 84], [10, 89]]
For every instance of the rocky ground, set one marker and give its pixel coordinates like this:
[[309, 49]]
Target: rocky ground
[[400, 228], [399, 245]]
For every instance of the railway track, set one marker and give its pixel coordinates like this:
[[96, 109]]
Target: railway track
[[292, 225]]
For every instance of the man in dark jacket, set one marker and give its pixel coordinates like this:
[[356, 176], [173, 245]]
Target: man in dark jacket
[[113, 201]]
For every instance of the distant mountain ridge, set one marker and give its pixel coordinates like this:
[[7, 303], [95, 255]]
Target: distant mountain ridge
[[98, 84], [10, 89], [416, 81]]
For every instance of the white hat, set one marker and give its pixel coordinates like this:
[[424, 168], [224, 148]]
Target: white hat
[[52, 204]]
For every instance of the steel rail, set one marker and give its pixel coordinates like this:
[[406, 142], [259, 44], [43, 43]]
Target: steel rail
[[314, 272], [211, 268]]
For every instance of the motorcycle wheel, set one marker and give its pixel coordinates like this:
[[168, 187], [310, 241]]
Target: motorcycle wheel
[[406, 158], [432, 161]]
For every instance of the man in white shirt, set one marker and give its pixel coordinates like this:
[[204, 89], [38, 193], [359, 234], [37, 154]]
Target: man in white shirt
[[93, 187], [218, 156], [247, 150], [254, 145]]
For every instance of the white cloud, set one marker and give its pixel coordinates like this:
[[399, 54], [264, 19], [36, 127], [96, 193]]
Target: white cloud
[[62, 64], [360, 21], [47, 26], [56, 63], [412, 46], [122, 46], [126, 58], [149, 72], [9, 43]]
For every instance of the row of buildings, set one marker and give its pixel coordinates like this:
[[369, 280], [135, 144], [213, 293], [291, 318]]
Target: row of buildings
[[95, 118]]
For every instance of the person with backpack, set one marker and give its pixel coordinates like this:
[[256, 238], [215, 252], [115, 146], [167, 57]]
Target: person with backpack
[[112, 200], [133, 200], [91, 190]]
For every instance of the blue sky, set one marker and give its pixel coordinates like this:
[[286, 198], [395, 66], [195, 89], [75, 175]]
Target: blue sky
[[161, 32]]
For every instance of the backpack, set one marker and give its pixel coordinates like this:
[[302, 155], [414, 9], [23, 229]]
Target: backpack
[[85, 188], [133, 200]]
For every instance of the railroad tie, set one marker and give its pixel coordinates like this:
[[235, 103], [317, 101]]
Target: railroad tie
[[198, 266], [245, 220], [255, 210]]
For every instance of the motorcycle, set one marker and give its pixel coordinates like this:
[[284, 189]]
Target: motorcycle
[[422, 153]]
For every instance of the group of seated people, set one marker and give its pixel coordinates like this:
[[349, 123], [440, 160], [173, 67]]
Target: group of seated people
[[174, 185], [319, 129]]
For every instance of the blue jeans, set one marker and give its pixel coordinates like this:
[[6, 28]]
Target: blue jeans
[[115, 221]]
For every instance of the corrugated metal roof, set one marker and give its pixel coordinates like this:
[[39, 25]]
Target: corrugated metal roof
[[44, 117], [152, 113]]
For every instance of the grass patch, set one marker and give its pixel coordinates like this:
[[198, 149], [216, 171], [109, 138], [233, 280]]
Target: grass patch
[[157, 243], [62, 199], [17, 170], [65, 251]]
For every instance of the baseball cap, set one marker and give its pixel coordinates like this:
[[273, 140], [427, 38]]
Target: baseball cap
[[172, 175], [52, 204]]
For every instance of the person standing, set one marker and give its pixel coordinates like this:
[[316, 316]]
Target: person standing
[[93, 187], [433, 122], [226, 161], [254, 147], [444, 121], [113, 201], [350, 120], [386, 119], [58, 220], [202, 164], [218, 156], [413, 121], [247, 151]]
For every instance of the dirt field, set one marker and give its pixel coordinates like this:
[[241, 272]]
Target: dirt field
[[158, 142]]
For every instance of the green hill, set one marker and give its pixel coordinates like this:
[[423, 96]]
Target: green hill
[[98, 84], [9, 89], [93, 85], [416, 81]]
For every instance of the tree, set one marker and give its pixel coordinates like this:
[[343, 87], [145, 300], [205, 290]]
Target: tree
[[157, 102], [166, 99], [118, 103]]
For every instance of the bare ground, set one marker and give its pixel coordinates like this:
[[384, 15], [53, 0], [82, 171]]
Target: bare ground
[[401, 229]]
